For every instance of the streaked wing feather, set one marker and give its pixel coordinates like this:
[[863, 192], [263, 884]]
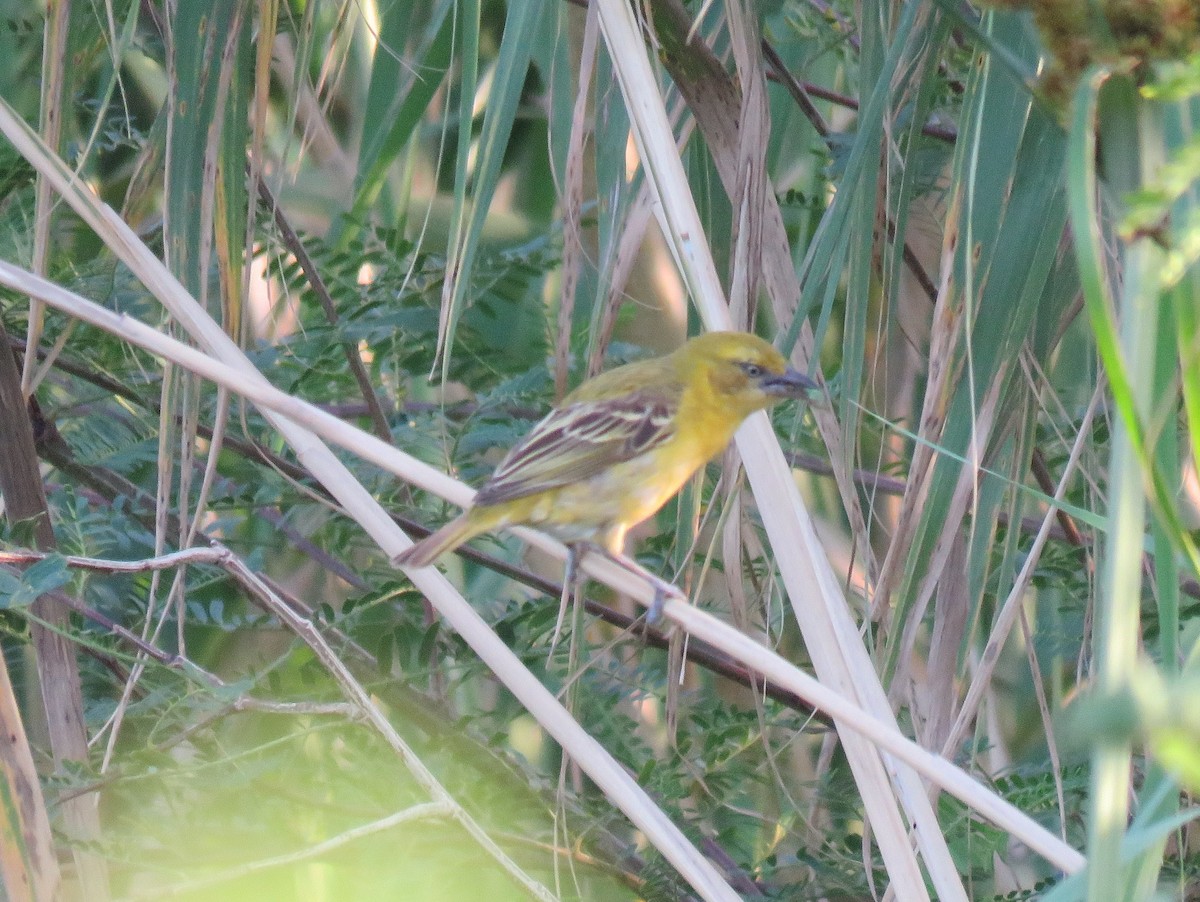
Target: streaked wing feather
[[578, 441]]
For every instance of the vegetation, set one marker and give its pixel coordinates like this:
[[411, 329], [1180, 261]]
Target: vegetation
[[423, 223]]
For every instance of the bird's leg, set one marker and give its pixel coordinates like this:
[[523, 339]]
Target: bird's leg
[[570, 589]]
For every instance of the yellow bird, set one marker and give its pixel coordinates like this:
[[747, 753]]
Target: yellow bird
[[621, 445]]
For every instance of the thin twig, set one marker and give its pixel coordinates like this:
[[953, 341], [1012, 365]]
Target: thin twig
[[800, 92], [426, 811], [293, 243]]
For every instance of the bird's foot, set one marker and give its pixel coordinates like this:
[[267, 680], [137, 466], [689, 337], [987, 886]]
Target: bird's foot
[[661, 588]]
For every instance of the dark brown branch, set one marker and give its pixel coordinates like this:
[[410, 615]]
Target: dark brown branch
[[57, 668], [1041, 474], [800, 92], [293, 243]]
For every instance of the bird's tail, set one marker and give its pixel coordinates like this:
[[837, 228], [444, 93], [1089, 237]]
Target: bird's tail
[[433, 546]]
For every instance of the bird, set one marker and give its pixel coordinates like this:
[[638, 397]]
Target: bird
[[618, 447]]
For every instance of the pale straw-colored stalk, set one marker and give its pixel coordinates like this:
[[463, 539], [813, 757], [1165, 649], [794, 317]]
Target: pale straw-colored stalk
[[830, 633]]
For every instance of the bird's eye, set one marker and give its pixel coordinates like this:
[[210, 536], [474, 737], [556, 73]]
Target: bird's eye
[[753, 370]]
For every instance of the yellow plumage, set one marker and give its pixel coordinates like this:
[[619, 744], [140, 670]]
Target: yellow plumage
[[618, 447]]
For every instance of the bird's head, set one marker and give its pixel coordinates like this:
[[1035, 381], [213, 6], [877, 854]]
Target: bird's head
[[741, 371]]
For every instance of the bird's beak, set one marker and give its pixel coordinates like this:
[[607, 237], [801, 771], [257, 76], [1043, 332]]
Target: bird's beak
[[788, 384]]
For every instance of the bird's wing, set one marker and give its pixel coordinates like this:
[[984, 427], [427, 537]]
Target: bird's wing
[[578, 441]]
